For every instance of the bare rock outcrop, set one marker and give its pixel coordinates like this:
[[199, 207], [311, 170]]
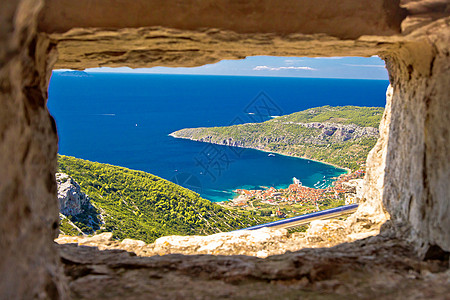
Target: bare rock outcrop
[[71, 198], [417, 156], [371, 208], [342, 132], [29, 263]]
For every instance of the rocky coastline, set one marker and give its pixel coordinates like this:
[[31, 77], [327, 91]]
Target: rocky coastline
[[344, 132]]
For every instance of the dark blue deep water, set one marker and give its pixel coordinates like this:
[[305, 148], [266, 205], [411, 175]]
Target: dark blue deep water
[[125, 119]]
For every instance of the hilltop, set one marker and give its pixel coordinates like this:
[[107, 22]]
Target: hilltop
[[342, 136], [139, 205]]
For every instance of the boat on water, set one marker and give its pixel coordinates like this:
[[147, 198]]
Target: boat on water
[[271, 154]]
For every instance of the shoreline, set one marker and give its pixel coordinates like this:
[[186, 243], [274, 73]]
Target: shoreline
[[314, 160], [348, 171]]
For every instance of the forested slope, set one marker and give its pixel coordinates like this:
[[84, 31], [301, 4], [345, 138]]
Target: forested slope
[[136, 204]]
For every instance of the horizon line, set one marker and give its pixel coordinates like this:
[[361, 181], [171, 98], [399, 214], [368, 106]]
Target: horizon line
[[229, 75]]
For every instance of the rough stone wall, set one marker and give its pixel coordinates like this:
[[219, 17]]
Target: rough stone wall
[[373, 268], [411, 162], [407, 170], [338, 19], [204, 32], [71, 198], [371, 209], [416, 190], [28, 144]]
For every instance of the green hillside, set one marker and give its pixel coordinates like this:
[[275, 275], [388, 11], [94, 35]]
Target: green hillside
[[138, 205], [342, 136], [360, 116]]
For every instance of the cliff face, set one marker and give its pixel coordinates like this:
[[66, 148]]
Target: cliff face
[[342, 133], [417, 167], [77, 214], [29, 263], [325, 133], [71, 198], [371, 208]]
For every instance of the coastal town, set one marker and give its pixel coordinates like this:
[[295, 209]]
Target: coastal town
[[298, 199]]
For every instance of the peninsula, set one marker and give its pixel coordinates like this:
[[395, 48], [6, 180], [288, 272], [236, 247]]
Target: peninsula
[[342, 136]]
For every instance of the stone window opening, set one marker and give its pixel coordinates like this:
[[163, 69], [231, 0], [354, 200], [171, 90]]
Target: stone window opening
[[323, 234], [409, 177]]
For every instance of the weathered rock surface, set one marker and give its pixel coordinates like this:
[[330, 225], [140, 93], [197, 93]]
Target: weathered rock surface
[[417, 167], [377, 267], [71, 198], [203, 32], [408, 170], [28, 144], [341, 132], [371, 208], [260, 243], [374, 17]]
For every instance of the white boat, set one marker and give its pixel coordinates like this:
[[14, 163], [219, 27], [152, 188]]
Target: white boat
[[271, 154]]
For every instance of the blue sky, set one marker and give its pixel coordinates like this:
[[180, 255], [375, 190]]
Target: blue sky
[[324, 67]]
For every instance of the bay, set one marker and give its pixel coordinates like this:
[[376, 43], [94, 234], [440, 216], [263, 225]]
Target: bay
[[125, 119]]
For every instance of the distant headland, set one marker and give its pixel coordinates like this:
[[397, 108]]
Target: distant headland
[[341, 136]]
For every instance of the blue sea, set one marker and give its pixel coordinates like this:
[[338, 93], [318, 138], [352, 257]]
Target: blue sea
[[125, 120]]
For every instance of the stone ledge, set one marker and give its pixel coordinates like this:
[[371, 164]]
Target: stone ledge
[[377, 267], [260, 243]]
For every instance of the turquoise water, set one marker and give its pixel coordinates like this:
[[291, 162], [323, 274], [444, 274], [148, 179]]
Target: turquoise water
[[125, 119]]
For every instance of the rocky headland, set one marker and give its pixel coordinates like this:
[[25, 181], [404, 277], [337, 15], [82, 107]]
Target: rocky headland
[[343, 136], [325, 133]]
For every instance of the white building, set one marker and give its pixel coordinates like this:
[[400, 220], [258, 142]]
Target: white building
[[296, 181]]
